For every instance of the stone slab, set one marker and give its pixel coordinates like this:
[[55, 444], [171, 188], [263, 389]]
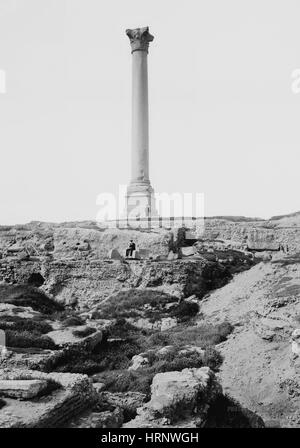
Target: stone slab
[[66, 337], [22, 389]]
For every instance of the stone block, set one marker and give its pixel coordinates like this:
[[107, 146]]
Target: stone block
[[144, 253], [176, 395], [135, 255], [66, 337], [183, 388], [138, 361], [188, 251], [22, 389], [74, 395], [172, 256], [99, 387], [114, 254]]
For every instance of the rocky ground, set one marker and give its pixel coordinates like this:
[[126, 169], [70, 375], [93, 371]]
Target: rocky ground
[[196, 332], [259, 368]]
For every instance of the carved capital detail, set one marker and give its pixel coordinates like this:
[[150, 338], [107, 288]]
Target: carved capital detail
[[139, 39]]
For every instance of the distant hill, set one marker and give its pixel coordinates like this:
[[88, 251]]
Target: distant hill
[[290, 220], [290, 215], [236, 218]]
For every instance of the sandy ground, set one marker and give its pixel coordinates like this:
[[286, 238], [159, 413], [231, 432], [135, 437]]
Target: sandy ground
[[262, 304]]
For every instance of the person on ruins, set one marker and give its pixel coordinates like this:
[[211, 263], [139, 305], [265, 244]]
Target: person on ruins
[[130, 249]]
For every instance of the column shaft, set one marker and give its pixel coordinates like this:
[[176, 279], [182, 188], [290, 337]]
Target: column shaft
[[140, 194], [140, 119]]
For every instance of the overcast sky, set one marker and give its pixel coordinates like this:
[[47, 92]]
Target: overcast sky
[[223, 118]]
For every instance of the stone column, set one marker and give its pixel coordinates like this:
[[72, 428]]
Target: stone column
[[140, 202]]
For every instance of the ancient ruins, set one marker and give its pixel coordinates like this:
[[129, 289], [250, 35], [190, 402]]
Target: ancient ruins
[[196, 328], [140, 194]]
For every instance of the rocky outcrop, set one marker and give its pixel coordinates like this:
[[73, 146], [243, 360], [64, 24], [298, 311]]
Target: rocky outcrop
[[86, 240], [177, 397], [77, 241], [259, 369], [85, 284], [81, 266], [69, 395], [258, 234]]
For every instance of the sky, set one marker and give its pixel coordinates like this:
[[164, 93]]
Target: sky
[[224, 120]]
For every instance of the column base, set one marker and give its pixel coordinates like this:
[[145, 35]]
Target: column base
[[140, 201]]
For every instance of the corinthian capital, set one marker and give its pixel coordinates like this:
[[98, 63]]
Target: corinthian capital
[[139, 39]]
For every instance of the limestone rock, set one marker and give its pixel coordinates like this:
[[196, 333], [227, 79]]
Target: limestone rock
[[142, 360], [160, 258], [271, 328], [23, 256], [129, 402], [160, 325], [74, 394], [47, 246], [66, 337], [87, 283], [144, 253], [167, 323], [22, 389], [114, 254], [136, 255], [179, 389], [187, 251], [138, 361], [164, 351], [172, 256], [8, 310], [191, 349], [96, 378], [95, 315], [99, 387], [15, 248], [83, 246], [105, 419], [296, 342], [178, 396], [263, 256], [192, 299]]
